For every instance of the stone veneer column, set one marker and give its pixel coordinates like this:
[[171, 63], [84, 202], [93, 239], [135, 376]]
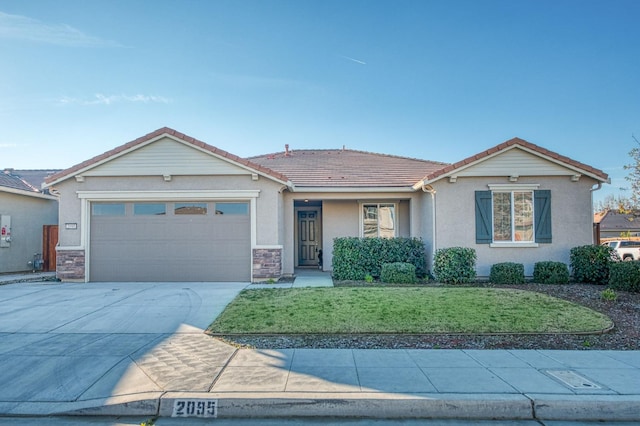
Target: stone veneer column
[[267, 263], [70, 265]]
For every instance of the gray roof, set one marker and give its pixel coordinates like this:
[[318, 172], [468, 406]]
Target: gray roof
[[615, 221], [24, 180]]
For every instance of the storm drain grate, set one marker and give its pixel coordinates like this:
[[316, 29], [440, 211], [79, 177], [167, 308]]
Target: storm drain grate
[[573, 380]]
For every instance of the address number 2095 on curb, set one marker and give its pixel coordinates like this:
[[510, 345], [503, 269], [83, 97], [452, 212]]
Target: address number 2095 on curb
[[195, 408]]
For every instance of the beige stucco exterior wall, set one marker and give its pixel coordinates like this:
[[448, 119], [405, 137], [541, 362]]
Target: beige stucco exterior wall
[[28, 215], [341, 218], [425, 217], [571, 216]]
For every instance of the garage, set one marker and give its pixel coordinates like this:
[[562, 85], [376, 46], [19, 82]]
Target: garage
[[170, 241]]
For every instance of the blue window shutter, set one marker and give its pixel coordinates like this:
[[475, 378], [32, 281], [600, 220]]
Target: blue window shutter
[[542, 208], [483, 217]]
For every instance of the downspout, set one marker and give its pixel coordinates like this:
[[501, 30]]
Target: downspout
[[429, 189], [595, 239]]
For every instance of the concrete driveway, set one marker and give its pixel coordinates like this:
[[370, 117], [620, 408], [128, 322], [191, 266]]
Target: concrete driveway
[[129, 308], [61, 343]]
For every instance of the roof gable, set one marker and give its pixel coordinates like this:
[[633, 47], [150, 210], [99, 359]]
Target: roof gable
[[345, 168], [164, 152], [166, 156], [517, 157]]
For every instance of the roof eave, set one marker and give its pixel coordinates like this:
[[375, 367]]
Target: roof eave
[[28, 193], [155, 136], [604, 178], [350, 189]]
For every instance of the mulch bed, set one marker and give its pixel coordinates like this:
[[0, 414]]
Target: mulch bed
[[625, 313]]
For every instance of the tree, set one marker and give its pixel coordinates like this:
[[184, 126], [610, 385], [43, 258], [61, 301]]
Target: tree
[[634, 174], [612, 202]]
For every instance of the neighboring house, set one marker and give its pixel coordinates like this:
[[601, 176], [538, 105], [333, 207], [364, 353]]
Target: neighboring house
[[24, 210], [168, 207], [613, 224]]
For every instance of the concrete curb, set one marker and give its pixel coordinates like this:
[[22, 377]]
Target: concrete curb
[[587, 407], [130, 405], [361, 405], [352, 405]]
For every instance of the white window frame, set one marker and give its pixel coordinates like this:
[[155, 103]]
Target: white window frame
[[511, 189], [378, 204]]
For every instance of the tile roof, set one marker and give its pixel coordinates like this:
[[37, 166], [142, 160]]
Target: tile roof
[[64, 174], [347, 168], [599, 174], [24, 180], [598, 216], [335, 168]]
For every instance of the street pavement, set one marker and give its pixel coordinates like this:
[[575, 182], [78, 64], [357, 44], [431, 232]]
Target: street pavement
[[138, 349], [308, 421]]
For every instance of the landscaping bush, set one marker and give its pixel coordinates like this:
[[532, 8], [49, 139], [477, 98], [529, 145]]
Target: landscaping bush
[[355, 258], [507, 273], [590, 264], [550, 272], [455, 265], [625, 276], [398, 272]]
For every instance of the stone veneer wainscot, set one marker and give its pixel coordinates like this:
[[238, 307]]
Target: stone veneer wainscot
[[70, 265], [267, 263]]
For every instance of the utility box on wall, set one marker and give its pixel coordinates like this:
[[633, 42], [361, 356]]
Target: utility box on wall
[[5, 230]]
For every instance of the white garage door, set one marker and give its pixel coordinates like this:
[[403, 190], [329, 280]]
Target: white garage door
[[170, 241]]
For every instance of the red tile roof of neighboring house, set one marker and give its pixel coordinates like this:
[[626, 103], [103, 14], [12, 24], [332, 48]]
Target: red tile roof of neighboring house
[[347, 168], [598, 216], [158, 133], [599, 174]]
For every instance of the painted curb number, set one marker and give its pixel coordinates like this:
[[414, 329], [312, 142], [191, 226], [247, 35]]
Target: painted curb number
[[195, 408]]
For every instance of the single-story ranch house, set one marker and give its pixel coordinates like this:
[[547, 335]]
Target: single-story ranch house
[[25, 212], [167, 207]]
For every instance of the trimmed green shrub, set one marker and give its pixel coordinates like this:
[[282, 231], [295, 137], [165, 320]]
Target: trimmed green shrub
[[625, 276], [398, 272], [355, 258], [455, 265], [507, 273], [590, 263], [550, 272]]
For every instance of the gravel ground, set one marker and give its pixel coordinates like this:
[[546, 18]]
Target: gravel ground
[[625, 313]]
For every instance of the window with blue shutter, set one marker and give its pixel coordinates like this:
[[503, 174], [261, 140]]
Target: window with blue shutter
[[542, 209], [483, 217], [513, 216]]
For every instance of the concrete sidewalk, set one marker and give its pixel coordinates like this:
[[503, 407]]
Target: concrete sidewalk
[[175, 371], [74, 368]]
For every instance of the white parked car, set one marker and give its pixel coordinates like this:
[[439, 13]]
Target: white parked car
[[627, 250]]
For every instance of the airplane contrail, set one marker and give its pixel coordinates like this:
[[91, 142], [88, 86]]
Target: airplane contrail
[[354, 60]]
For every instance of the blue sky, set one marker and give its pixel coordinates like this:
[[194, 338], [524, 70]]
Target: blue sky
[[438, 80]]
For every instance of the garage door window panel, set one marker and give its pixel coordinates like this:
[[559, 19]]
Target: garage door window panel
[[190, 208], [108, 209], [232, 209], [149, 209]]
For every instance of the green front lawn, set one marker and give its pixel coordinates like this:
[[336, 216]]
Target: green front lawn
[[403, 310]]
